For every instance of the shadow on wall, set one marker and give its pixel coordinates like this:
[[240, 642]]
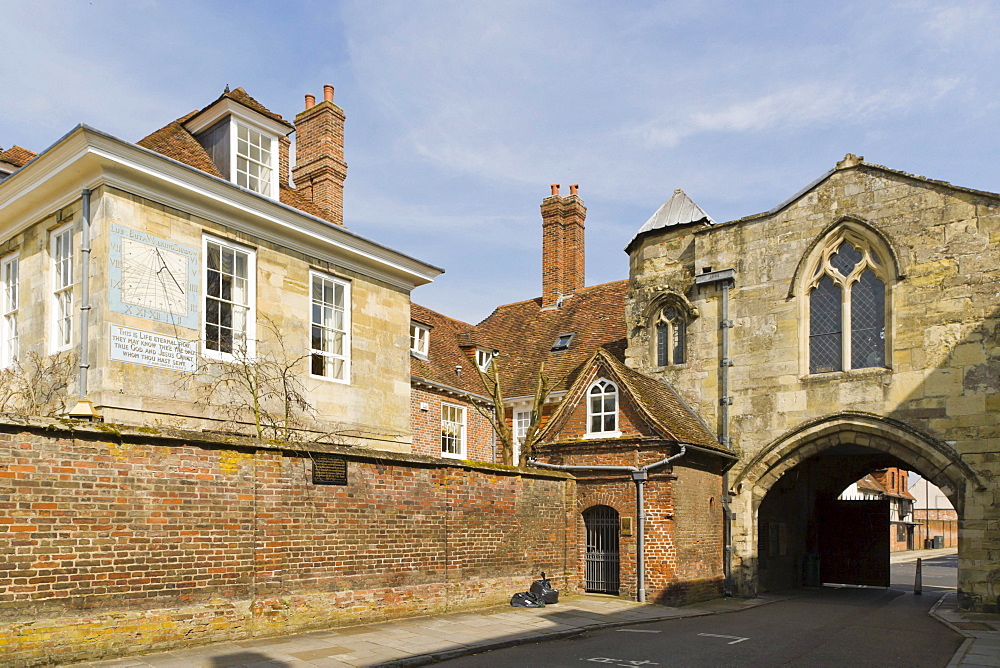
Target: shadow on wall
[[962, 395]]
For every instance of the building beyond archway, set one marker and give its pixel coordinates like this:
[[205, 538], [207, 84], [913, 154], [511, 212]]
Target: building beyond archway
[[791, 532]]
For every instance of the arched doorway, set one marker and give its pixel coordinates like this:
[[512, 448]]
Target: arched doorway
[[784, 497], [602, 573]]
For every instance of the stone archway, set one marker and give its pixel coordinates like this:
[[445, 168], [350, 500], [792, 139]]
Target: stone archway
[[860, 441]]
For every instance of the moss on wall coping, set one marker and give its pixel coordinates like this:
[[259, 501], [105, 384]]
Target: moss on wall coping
[[166, 436]]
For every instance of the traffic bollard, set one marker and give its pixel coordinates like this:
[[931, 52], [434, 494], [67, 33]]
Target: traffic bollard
[[917, 585]]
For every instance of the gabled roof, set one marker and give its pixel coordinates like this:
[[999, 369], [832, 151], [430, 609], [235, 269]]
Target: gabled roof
[[852, 161], [444, 353], [17, 156], [661, 407], [524, 332], [677, 211]]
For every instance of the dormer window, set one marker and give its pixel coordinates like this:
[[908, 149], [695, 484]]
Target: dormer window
[[254, 160], [484, 358], [242, 143], [419, 337], [602, 409]]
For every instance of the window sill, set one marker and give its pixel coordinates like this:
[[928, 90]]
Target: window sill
[[451, 455], [339, 381], [602, 434], [419, 356], [849, 374]]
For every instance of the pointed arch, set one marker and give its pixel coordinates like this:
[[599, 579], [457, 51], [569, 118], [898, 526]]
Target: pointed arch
[[844, 286], [667, 317], [934, 459]]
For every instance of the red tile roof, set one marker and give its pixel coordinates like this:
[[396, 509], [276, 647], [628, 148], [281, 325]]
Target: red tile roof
[[661, 407], [17, 156], [523, 332], [175, 142], [445, 352]]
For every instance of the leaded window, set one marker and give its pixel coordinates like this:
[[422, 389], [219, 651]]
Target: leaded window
[[671, 330], [847, 307]]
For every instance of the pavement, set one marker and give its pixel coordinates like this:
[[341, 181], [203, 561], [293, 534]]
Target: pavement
[[418, 641]]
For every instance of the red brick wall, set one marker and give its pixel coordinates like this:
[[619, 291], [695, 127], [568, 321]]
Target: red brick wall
[[169, 541], [683, 528], [630, 422], [426, 426]]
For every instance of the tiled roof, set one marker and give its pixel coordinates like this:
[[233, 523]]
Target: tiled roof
[[523, 332], [655, 400], [241, 96], [175, 142], [444, 352], [17, 156]]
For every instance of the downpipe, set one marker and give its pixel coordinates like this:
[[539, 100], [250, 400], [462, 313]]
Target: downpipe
[[84, 297], [726, 278], [639, 477]]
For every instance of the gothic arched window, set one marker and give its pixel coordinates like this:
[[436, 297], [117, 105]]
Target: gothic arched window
[[847, 306], [602, 408], [671, 328]]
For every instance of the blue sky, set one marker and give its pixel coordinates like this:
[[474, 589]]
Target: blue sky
[[460, 114]]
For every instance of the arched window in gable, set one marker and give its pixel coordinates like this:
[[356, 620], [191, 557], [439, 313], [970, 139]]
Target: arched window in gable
[[847, 304], [602, 408]]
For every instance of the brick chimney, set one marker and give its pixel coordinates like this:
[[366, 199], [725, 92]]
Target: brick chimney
[[562, 245], [320, 169]]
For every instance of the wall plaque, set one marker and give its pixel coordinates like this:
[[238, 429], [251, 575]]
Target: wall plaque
[[329, 469]]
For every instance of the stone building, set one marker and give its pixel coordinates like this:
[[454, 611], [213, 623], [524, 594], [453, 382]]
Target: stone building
[[159, 267], [851, 328]]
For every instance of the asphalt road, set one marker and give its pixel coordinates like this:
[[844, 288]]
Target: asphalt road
[[830, 626]]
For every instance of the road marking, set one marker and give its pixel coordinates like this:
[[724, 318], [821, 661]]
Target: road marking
[[735, 639], [637, 630]]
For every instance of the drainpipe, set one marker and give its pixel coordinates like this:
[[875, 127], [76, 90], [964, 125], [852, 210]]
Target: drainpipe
[[725, 278], [84, 408], [639, 477]]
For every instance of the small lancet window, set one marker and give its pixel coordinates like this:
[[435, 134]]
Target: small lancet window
[[671, 330], [847, 307]]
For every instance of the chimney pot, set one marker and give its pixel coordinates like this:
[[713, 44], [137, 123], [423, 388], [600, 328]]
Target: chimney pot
[[328, 92], [574, 188], [310, 101], [555, 189]]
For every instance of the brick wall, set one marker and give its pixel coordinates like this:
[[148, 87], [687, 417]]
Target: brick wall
[[162, 539], [683, 528], [426, 426]]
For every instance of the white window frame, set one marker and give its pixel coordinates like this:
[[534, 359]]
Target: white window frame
[[250, 331], [591, 414], [484, 358], [522, 420], [61, 304], [10, 348], [419, 339], [460, 424], [271, 165], [345, 330]]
